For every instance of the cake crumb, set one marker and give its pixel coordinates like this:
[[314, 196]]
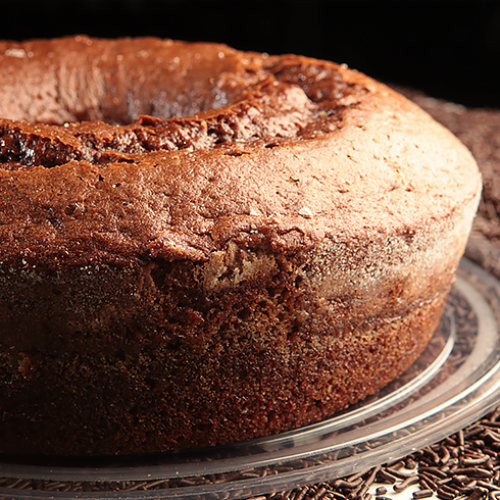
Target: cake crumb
[[305, 212], [19, 53]]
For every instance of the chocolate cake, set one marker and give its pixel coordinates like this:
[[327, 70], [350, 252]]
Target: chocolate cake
[[201, 246]]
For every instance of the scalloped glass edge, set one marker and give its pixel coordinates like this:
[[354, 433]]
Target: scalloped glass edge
[[362, 437]]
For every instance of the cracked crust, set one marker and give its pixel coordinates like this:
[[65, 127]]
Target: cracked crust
[[277, 242]]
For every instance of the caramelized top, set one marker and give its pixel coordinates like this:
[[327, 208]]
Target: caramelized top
[[147, 147], [89, 98]]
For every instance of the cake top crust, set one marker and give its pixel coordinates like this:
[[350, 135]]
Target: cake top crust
[[147, 147]]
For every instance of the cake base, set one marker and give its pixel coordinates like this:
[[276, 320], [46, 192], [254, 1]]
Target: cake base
[[172, 398]]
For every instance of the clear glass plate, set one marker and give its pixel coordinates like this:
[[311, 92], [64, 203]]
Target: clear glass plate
[[453, 383]]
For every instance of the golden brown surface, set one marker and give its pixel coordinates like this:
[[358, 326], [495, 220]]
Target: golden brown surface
[[225, 269]]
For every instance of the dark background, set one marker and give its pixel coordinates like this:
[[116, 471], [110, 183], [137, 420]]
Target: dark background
[[448, 49]]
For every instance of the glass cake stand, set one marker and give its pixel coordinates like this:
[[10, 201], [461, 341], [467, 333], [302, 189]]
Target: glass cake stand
[[453, 383]]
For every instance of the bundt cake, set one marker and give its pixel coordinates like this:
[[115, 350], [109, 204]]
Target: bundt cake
[[201, 246]]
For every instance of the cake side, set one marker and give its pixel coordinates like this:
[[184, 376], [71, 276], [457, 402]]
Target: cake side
[[276, 344]]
